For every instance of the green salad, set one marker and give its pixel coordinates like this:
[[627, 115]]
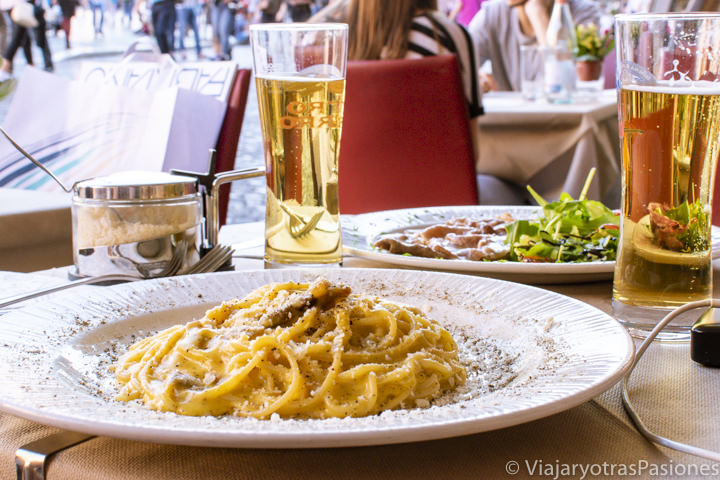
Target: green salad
[[568, 231]]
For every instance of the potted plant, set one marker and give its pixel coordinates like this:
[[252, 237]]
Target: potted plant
[[592, 47]]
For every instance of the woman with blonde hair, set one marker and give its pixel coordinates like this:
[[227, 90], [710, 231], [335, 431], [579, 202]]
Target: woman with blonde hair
[[379, 29]]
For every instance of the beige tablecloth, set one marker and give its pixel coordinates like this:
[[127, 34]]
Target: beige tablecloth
[[675, 396], [551, 147]]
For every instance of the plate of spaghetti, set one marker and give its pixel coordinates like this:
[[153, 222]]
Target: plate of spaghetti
[[304, 358]]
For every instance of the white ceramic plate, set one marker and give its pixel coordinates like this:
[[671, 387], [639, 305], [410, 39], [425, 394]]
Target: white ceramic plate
[[55, 354], [361, 231]]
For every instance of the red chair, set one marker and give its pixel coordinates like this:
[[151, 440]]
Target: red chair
[[406, 139], [229, 135], [225, 152]]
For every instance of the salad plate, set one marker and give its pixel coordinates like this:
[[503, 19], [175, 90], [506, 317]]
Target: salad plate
[[525, 360], [361, 231]]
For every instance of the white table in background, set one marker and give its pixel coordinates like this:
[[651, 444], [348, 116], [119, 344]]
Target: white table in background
[[552, 146]]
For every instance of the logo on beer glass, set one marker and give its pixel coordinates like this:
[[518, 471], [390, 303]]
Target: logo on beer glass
[[312, 114]]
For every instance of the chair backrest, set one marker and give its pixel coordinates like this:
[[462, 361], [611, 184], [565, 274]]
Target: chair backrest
[[229, 135], [406, 136]]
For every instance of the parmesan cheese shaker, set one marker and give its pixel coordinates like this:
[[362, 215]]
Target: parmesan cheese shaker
[[132, 222]]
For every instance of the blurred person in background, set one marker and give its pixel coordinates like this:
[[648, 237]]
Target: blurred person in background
[[334, 11], [501, 26], [268, 10], [252, 15], [412, 29], [299, 10], [163, 24], [68, 12], [242, 22], [127, 9], [6, 34], [5, 23], [187, 13], [222, 18], [337, 10], [449, 7], [143, 11], [53, 16], [98, 15], [114, 9], [21, 37]]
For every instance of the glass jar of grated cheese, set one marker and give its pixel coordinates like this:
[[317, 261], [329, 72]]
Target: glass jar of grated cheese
[[133, 208]]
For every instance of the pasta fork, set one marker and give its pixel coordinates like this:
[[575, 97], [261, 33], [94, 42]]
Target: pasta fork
[[213, 260], [298, 226]]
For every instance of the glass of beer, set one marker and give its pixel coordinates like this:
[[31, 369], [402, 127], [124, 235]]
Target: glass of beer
[[669, 112], [300, 78]]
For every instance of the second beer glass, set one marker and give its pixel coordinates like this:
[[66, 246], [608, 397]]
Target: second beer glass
[[668, 72], [300, 78]]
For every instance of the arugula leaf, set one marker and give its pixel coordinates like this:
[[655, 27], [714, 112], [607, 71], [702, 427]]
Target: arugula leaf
[[569, 230], [516, 231]]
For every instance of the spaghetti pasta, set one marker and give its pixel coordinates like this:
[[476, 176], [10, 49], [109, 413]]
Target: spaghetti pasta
[[297, 350]]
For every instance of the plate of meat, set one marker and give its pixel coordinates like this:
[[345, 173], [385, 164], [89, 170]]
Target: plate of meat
[[469, 239]]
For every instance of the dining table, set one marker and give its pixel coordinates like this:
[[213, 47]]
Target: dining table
[[36, 229], [552, 146], [675, 397]]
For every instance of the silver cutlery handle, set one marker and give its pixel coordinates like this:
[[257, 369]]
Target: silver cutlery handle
[[211, 261], [85, 281], [31, 459]]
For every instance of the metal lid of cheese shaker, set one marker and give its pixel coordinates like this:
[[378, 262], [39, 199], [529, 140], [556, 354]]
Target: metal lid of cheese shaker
[[136, 185]]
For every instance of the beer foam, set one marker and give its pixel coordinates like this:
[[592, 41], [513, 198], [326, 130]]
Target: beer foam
[[674, 87], [304, 76]]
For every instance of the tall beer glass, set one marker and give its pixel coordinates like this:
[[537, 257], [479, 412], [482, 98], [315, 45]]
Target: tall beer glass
[[300, 79], [669, 112]]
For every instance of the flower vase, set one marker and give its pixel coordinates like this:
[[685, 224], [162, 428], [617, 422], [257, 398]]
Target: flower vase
[[590, 76]]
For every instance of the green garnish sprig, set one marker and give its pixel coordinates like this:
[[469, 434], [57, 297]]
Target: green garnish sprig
[[569, 230]]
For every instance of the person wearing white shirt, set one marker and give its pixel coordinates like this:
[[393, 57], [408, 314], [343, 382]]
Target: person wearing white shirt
[[502, 26]]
